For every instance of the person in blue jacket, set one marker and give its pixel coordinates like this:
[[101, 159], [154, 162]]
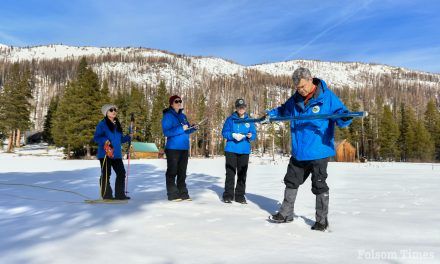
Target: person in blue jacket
[[176, 129], [238, 147], [312, 143], [109, 137]]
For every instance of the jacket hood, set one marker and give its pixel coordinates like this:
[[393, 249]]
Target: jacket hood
[[319, 94]]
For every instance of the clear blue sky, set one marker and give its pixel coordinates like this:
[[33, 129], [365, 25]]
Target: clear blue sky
[[395, 32]]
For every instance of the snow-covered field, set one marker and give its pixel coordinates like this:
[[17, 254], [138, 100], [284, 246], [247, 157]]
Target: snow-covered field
[[379, 213]]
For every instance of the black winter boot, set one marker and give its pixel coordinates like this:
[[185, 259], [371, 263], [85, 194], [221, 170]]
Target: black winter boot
[[227, 200], [240, 199], [106, 189], [279, 218], [320, 227], [120, 189]]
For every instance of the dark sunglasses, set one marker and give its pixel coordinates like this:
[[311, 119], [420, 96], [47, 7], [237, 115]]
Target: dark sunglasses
[[177, 101], [113, 110]]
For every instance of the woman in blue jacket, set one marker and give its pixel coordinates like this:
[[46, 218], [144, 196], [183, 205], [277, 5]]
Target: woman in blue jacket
[[238, 147], [109, 137], [176, 129]]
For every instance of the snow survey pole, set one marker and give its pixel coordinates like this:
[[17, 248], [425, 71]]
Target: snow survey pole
[[199, 123], [267, 119], [130, 131]]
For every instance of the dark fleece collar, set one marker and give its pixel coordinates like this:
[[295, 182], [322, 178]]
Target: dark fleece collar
[[112, 126]]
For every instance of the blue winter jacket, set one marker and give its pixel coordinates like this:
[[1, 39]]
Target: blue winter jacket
[[243, 146], [104, 133], [172, 127], [313, 139]]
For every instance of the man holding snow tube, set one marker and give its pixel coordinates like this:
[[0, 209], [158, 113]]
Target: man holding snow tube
[[312, 143]]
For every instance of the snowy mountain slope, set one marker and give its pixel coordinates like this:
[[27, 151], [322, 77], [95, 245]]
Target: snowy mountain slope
[[147, 67], [182, 74], [350, 74], [379, 213], [64, 52], [212, 65], [336, 73]]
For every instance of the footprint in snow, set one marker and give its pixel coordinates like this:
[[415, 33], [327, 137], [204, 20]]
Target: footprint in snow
[[213, 220], [164, 226], [105, 233]]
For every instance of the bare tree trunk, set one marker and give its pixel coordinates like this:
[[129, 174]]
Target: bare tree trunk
[[273, 146], [208, 142], [17, 138], [89, 156], [68, 151], [190, 147], [205, 145], [196, 145], [10, 145], [283, 142], [212, 143], [357, 151], [362, 138], [258, 141], [14, 136]]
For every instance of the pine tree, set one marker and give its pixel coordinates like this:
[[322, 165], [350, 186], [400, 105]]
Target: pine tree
[[48, 121], [15, 106], [139, 107], [122, 101], [369, 137], [159, 104], [219, 118], [432, 123], [355, 129], [341, 134], [202, 135], [388, 135], [353, 133], [78, 112], [267, 104], [407, 139], [345, 133], [271, 130], [371, 128], [62, 121], [424, 149], [105, 92]]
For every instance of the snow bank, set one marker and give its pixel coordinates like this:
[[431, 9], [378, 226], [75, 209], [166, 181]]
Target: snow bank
[[379, 212]]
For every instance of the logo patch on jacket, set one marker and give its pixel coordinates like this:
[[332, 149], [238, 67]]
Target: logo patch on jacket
[[315, 109], [247, 125]]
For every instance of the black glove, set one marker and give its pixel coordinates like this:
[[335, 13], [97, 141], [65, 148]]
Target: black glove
[[347, 118], [264, 118]]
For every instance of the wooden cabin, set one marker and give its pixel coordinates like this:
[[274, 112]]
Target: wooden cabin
[[144, 150], [345, 152]]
